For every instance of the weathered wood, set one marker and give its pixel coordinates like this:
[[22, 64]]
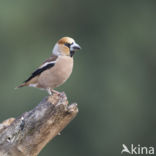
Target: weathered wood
[[29, 133]]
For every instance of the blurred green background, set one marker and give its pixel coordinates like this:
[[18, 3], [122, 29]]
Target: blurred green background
[[114, 75]]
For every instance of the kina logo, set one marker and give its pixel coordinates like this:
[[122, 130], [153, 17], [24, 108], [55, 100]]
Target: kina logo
[[134, 150]]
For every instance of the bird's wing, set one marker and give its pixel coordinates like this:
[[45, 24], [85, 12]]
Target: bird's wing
[[49, 63]]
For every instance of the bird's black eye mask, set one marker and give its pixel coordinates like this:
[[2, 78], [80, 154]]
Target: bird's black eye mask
[[68, 45]]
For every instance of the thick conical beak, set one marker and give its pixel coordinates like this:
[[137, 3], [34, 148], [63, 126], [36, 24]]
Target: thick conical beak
[[75, 47]]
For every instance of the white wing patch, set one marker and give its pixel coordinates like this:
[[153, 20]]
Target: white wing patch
[[46, 63], [33, 85]]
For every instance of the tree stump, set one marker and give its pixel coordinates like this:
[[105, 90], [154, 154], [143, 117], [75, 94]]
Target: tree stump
[[29, 133]]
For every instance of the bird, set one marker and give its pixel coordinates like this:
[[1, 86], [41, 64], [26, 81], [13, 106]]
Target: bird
[[56, 69]]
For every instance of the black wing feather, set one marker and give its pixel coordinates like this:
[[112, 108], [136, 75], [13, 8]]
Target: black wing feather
[[39, 71]]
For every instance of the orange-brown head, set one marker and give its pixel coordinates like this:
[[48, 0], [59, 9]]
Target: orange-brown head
[[65, 46]]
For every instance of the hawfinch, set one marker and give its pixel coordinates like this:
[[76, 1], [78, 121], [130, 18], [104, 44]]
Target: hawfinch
[[56, 69]]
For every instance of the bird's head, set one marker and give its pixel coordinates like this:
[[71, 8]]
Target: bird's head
[[65, 46]]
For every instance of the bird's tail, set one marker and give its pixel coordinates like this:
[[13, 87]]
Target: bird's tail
[[22, 85]]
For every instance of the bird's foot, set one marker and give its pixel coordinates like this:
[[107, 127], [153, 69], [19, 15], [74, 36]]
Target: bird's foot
[[61, 94], [49, 91], [55, 92], [52, 91]]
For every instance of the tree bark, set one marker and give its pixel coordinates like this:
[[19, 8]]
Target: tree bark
[[29, 133]]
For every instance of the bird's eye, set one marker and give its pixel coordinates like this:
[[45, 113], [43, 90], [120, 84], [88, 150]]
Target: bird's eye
[[67, 45]]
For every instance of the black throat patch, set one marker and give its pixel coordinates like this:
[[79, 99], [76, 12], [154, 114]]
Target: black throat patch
[[72, 53]]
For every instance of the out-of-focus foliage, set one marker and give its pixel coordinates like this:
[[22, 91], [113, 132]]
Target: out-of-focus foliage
[[114, 75]]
